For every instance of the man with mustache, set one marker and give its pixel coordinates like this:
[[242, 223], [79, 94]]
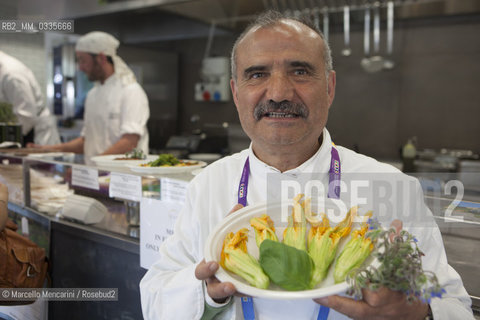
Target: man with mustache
[[283, 85]]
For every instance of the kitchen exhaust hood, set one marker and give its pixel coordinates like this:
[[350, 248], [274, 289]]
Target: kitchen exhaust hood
[[72, 9], [135, 21]]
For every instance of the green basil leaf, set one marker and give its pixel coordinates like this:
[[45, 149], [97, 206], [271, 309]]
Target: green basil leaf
[[286, 266]]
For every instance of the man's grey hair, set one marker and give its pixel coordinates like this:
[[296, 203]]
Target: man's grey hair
[[271, 18]]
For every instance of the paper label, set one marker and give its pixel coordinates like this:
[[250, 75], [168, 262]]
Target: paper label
[[173, 190], [157, 219], [125, 186], [85, 177]]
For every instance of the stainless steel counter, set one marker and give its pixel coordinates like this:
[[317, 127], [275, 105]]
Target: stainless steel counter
[[462, 255]]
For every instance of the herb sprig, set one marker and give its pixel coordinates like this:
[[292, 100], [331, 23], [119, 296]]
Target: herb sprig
[[400, 267], [136, 154]]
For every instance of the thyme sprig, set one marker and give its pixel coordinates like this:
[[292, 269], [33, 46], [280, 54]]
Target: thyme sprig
[[400, 267]]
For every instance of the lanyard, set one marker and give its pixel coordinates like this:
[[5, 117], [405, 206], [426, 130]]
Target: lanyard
[[333, 192]]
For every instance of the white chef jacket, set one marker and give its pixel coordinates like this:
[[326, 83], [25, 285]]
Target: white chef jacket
[[19, 87], [113, 109], [169, 290]]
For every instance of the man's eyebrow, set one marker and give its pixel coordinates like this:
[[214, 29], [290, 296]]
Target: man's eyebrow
[[303, 64], [252, 69]]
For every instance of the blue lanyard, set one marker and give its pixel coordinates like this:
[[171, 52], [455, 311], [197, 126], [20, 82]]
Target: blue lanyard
[[333, 192]]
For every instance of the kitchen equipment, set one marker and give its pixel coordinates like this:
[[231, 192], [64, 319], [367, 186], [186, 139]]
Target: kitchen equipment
[[346, 31], [469, 174], [84, 209], [325, 23], [11, 132], [180, 146], [366, 38], [133, 212], [316, 18], [388, 63], [408, 156], [205, 157], [460, 154], [215, 85], [237, 138], [375, 63]]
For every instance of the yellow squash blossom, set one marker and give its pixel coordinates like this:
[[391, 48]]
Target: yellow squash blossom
[[323, 242], [264, 229], [294, 234], [354, 253], [235, 258]]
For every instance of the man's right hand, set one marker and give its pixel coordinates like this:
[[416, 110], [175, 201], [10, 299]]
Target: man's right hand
[[205, 271], [218, 291]]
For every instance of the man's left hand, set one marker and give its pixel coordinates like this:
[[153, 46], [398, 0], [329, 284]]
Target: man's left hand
[[381, 304]]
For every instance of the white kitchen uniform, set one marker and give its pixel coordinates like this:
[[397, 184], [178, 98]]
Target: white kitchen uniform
[[169, 290], [113, 109], [19, 87]]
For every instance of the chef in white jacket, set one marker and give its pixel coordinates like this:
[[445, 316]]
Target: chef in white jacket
[[19, 88], [116, 108], [283, 85]]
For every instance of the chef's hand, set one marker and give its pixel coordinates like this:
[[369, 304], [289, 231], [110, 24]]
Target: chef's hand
[[218, 291], [380, 304], [38, 146]]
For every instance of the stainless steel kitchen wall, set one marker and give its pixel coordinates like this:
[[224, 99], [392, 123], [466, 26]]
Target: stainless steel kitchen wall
[[432, 93], [157, 73]]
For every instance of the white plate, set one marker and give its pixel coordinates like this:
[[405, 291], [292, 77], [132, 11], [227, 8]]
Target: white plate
[[241, 219], [109, 160], [167, 170]]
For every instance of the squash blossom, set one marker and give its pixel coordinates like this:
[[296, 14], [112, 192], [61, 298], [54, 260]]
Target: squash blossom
[[295, 232], [354, 253], [264, 229], [235, 258], [323, 241]]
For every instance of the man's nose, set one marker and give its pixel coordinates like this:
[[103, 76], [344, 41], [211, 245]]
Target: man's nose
[[280, 88]]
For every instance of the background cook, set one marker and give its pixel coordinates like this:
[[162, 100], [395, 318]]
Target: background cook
[[116, 108]]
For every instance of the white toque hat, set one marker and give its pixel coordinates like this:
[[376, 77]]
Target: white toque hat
[[101, 42]]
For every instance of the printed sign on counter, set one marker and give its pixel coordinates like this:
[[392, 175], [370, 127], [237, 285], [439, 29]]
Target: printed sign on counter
[[85, 177], [125, 186], [157, 218]]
